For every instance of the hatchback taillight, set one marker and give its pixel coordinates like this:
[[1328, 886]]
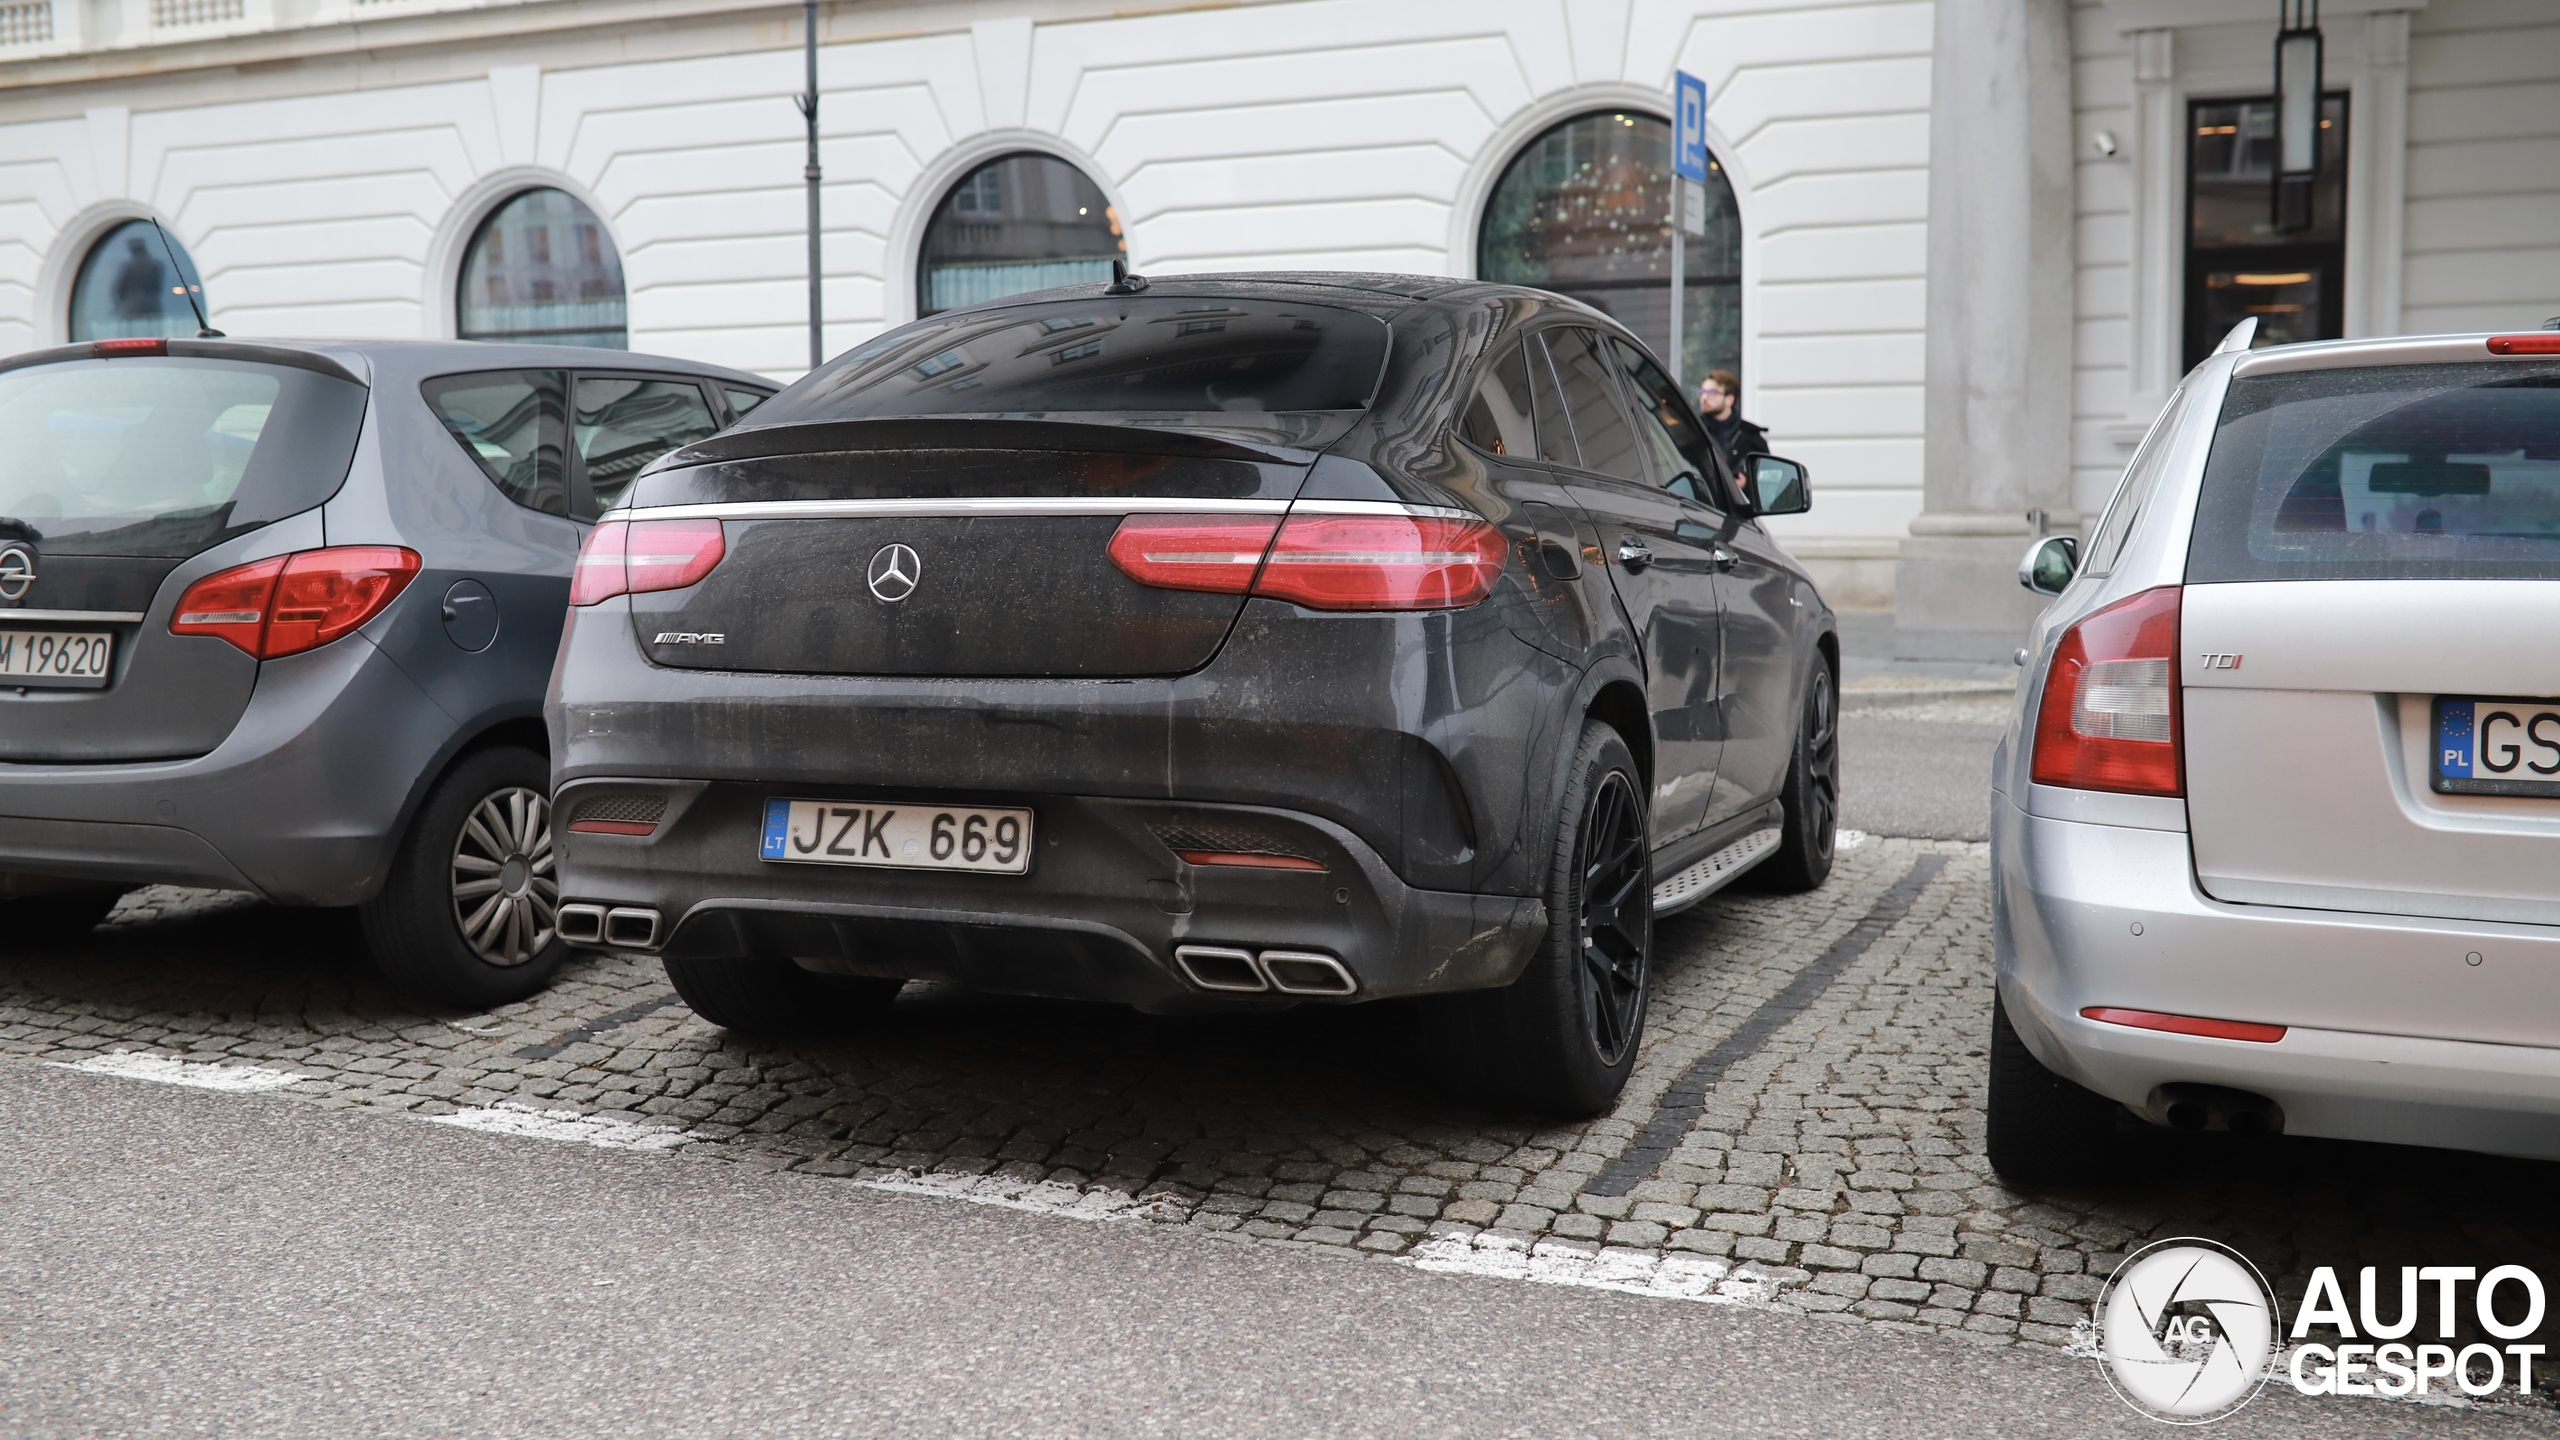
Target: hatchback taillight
[[291, 603], [636, 556], [2109, 720], [1324, 562]]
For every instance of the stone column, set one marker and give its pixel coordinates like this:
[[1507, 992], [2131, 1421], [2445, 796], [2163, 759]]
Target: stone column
[[2000, 334]]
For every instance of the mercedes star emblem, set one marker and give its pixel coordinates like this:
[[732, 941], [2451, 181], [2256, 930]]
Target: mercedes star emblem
[[893, 573], [17, 572]]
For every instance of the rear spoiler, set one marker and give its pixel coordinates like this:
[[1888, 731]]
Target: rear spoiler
[[1296, 440], [188, 349]]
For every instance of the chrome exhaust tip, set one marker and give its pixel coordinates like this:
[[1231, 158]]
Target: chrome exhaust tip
[[631, 927], [1215, 967], [580, 924], [1307, 972]]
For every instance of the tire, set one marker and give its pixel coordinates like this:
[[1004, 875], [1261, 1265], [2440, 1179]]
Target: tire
[[1810, 835], [778, 999], [1562, 1039], [2043, 1129], [55, 918], [478, 855]]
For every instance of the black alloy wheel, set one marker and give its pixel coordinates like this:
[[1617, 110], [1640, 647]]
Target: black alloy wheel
[[1616, 925], [466, 917], [1810, 834], [1562, 1038]]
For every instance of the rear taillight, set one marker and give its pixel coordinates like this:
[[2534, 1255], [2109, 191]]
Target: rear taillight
[[636, 556], [1325, 562], [292, 603], [2109, 720], [1383, 562], [1192, 552]]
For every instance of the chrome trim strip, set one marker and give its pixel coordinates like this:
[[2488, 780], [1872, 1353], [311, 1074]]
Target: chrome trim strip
[[1022, 507], [95, 617]]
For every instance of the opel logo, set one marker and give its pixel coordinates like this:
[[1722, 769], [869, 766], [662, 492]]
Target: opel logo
[[17, 572], [893, 573]]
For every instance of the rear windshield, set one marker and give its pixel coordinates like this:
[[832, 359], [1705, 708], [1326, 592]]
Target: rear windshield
[[2387, 472], [1113, 354], [167, 456]]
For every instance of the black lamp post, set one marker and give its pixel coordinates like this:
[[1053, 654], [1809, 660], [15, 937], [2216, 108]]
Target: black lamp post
[[2298, 60]]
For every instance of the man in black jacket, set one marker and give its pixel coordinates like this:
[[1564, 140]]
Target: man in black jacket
[[1719, 401]]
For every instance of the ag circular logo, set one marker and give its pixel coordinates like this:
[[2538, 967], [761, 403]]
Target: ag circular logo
[[2187, 1327], [893, 574], [17, 572]]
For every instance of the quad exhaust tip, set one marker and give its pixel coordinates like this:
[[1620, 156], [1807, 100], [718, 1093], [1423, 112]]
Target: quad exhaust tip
[[581, 924], [1243, 972]]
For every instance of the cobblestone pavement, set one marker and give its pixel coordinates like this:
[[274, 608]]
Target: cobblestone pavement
[[1825, 1158]]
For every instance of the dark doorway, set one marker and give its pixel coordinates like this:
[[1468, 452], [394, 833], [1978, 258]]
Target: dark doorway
[[2239, 261]]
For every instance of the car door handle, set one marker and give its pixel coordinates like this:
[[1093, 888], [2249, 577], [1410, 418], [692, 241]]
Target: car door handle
[[1633, 554]]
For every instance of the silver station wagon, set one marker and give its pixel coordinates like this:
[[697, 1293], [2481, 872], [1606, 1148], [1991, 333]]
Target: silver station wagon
[[2276, 833]]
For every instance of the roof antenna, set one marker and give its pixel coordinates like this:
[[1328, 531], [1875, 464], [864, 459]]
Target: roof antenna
[[204, 330], [1122, 282]]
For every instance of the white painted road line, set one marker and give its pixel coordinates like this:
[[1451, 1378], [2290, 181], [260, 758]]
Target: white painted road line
[[510, 1118], [133, 1065], [1668, 1277], [1035, 1197]]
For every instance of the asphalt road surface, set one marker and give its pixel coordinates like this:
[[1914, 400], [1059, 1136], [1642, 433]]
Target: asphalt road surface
[[1921, 770], [183, 1263]]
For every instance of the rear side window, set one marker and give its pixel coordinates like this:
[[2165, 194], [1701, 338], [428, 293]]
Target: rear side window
[[2133, 493], [1114, 353], [1555, 433], [509, 423], [165, 456], [1679, 447], [1599, 424], [742, 401], [1496, 419], [2385, 472], [624, 422]]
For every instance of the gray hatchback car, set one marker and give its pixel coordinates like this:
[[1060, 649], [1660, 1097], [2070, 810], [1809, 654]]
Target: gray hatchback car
[[277, 617]]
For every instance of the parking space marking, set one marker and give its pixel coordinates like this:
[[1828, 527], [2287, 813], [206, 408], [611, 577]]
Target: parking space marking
[[132, 1065], [1631, 1272], [1677, 1112], [569, 1126]]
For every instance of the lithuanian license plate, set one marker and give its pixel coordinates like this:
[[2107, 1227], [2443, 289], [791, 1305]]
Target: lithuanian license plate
[[52, 657], [2497, 747], [897, 835]]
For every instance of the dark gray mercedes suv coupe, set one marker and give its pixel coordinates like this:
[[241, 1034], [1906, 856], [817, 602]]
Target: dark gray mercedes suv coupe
[[1218, 642]]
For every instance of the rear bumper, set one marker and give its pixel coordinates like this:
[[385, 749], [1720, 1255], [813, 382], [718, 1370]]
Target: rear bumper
[[1099, 916], [2394, 1036], [300, 803]]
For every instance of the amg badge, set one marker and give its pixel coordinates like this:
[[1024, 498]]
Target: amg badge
[[688, 637]]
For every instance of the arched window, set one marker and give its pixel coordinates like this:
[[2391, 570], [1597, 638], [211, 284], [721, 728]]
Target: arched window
[[1585, 210], [543, 271], [127, 286], [1018, 222]]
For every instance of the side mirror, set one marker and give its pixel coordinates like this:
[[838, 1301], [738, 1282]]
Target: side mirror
[[1778, 487], [2050, 564]]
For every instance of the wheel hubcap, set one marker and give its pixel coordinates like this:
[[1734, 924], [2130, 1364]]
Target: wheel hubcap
[[505, 896], [1616, 929]]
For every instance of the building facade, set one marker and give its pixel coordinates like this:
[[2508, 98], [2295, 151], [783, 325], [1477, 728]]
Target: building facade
[[630, 172]]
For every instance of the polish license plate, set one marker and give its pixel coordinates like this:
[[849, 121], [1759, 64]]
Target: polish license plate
[[897, 835], [2497, 747], [76, 659]]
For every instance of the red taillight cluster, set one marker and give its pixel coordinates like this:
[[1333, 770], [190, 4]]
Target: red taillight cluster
[[633, 557], [287, 604], [1324, 562], [2109, 720]]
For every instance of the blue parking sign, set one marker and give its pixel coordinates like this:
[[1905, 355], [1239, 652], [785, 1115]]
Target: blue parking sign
[[1689, 127]]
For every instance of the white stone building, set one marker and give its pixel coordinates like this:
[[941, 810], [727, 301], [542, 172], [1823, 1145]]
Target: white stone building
[[333, 167]]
